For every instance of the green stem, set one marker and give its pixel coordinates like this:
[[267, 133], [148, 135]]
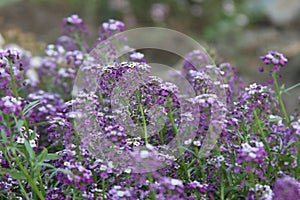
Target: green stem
[[152, 195], [78, 41], [253, 185], [103, 188], [170, 113], [203, 175], [297, 170], [41, 185], [31, 182], [11, 167], [222, 186], [278, 94], [263, 136], [77, 142], [143, 118], [223, 171]]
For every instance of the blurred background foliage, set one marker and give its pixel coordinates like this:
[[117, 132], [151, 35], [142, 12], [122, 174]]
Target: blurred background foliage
[[235, 31]]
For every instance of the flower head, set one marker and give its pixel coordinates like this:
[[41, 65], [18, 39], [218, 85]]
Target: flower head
[[73, 24], [274, 58], [286, 188]]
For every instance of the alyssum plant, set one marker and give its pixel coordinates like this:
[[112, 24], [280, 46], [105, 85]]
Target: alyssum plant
[[42, 156]]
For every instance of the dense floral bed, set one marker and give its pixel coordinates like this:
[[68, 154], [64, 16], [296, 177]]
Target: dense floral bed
[[257, 155]]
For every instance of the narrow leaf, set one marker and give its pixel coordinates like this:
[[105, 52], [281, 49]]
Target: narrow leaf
[[29, 149], [16, 174], [30, 106]]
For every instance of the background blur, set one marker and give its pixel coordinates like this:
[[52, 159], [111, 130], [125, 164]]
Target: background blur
[[234, 31]]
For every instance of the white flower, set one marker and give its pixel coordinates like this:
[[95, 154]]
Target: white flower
[[120, 193], [144, 154], [103, 167], [149, 146], [197, 143], [136, 143], [20, 140], [32, 143], [137, 56], [220, 158], [176, 182], [252, 155], [110, 164], [117, 187], [188, 142]]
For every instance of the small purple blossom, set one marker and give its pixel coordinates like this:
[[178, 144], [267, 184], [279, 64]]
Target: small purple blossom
[[296, 126], [254, 147], [113, 25], [136, 56], [10, 105], [255, 153], [286, 188], [276, 59], [73, 24], [109, 28]]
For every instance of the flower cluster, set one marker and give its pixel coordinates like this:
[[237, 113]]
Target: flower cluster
[[274, 58], [10, 105], [72, 24], [286, 188], [111, 27], [248, 153], [101, 143]]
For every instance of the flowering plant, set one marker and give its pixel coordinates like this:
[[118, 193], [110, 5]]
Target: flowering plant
[[44, 156]]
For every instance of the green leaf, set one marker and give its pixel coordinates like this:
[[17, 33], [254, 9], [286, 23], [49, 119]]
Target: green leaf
[[189, 150], [60, 170], [231, 189], [29, 149], [4, 171], [291, 88], [64, 171], [36, 171], [16, 174], [19, 124], [30, 106], [280, 144], [275, 119], [45, 165], [52, 156], [42, 155], [4, 137]]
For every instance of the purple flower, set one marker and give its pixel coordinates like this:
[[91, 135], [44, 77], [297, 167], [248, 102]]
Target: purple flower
[[73, 24], [109, 28], [12, 54], [136, 56], [276, 68], [113, 25], [250, 153], [74, 57], [270, 82], [264, 192], [286, 188], [261, 69], [276, 59], [74, 19], [296, 126], [10, 105]]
